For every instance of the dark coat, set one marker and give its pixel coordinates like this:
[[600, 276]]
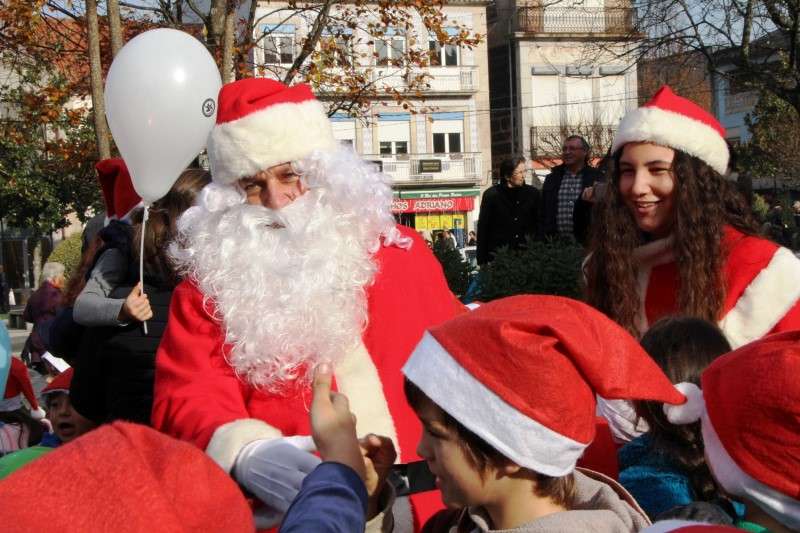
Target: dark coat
[[582, 213], [42, 306], [115, 366], [507, 216]]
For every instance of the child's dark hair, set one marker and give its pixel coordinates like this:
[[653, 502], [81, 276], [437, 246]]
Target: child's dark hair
[[683, 347], [482, 456]]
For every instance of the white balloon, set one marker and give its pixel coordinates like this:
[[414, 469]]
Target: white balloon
[[161, 104]]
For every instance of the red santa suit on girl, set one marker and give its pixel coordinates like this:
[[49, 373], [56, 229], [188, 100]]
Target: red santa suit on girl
[[762, 279], [762, 286], [269, 293]]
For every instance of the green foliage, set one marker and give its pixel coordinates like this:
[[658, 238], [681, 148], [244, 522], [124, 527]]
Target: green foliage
[[774, 148], [68, 253], [760, 207], [456, 269], [549, 267], [47, 151]]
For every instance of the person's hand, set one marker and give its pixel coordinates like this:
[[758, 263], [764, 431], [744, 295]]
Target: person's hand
[[379, 456], [588, 194], [333, 426], [136, 306], [273, 471]]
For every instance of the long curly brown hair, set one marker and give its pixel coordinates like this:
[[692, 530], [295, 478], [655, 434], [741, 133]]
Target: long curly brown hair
[[704, 203]]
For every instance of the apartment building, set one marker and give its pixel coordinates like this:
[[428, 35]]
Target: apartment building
[[437, 152], [558, 68]]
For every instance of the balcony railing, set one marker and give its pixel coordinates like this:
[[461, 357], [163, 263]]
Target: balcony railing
[[418, 169], [546, 141], [576, 20], [462, 78]]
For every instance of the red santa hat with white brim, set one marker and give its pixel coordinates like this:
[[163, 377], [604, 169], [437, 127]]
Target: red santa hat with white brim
[[19, 385], [60, 383], [750, 415], [685, 526], [678, 123], [119, 195], [262, 123], [522, 374]]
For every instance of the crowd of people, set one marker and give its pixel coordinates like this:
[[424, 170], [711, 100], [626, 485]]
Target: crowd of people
[[305, 366]]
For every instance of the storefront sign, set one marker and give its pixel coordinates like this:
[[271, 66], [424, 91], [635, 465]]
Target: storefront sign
[[430, 165], [427, 205], [436, 193]]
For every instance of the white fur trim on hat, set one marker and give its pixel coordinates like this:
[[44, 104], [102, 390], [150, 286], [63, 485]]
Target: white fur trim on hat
[[771, 294], [229, 439], [520, 438], [274, 135], [38, 413], [689, 412], [737, 482], [658, 126]]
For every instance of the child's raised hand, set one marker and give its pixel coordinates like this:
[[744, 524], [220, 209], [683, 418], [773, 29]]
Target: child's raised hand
[[379, 456], [136, 306], [333, 426]]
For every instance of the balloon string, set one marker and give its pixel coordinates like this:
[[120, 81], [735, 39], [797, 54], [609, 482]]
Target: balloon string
[[141, 253]]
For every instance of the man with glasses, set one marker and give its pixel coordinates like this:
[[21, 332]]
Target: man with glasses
[[567, 193], [290, 258]]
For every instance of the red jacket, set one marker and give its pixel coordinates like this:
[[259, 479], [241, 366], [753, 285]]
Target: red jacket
[[198, 397], [762, 288]]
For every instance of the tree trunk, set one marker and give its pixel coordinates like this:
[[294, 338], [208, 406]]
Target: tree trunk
[[98, 105], [115, 26], [229, 30]]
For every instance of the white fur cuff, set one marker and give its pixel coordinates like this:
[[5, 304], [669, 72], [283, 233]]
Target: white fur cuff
[[229, 439]]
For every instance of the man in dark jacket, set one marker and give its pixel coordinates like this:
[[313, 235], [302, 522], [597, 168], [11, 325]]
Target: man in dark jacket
[[508, 211], [567, 194]]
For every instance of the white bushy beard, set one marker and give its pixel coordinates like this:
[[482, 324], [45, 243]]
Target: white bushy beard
[[289, 285]]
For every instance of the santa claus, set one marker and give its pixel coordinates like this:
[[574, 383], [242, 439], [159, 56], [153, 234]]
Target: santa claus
[[291, 257]]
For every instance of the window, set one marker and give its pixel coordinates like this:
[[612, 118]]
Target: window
[[339, 43], [390, 49], [446, 55], [344, 129], [394, 133], [279, 44], [446, 143], [393, 147], [447, 129]]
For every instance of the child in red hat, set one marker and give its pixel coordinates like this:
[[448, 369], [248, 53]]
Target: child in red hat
[[506, 396]]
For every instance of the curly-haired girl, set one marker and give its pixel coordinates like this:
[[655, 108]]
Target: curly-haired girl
[[673, 237]]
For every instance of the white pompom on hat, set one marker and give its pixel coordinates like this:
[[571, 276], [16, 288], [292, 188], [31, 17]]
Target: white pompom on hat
[[678, 123], [262, 123], [522, 373]]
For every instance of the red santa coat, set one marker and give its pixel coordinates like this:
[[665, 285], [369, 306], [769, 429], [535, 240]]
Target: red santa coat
[[762, 287], [198, 397]]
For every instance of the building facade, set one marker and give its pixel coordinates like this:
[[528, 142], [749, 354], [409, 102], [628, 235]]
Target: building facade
[[437, 150], [559, 68]]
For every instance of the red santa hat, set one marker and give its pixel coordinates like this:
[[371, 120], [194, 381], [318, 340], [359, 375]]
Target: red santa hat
[[262, 123], [685, 526], [124, 477], [60, 383], [669, 120], [522, 373], [18, 385], [750, 413], [119, 196]]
